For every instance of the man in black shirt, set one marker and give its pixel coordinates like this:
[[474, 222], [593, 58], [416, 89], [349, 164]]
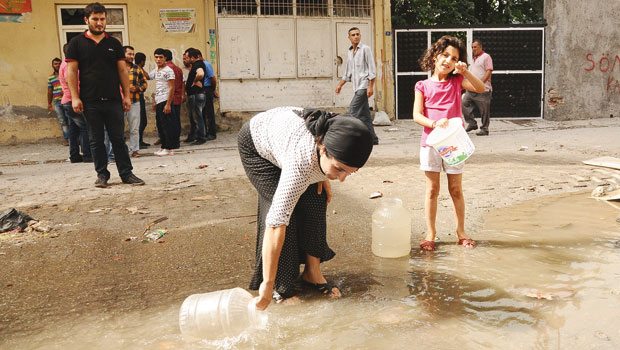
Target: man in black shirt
[[100, 60], [196, 94]]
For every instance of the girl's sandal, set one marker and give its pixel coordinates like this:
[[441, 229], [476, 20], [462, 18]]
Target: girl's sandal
[[467, 242], [427, 246]]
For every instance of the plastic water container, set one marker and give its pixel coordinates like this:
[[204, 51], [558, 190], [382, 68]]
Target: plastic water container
[[220, 314], [391, 229], [452, 142]]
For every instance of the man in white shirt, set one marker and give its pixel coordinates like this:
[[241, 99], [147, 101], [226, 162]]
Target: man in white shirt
[[482, 67], [360, 70], [164, 93]]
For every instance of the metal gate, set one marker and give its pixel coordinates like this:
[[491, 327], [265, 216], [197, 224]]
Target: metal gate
[[518, 62]]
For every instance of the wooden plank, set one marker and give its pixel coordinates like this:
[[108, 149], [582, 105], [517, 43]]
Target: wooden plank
[[606, 162]]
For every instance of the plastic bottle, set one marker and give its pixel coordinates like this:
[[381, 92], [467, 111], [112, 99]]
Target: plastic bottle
[[220, 314], [391, 229]]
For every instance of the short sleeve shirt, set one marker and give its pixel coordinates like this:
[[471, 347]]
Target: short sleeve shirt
[[53, 83], [442, 99], [97, 65], [190, 88], [479, 67], [281, 137], [209, 73], [161, 77]]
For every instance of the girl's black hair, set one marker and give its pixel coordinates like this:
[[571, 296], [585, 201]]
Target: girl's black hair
[[316, 121]]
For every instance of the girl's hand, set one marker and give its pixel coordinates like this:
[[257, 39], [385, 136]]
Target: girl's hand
[[441, 123], [460, 67]]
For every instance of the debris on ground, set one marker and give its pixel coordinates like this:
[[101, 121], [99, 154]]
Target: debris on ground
[[375, 195], [154, 235], [136, 210], [156, 221], [605, 162], [392, 129], [381, 119], [388, 181], [540, 150], [178, 187], [12, 219], [131, 238], [606, 192], [220, 169], [202, 166], [523, 148]]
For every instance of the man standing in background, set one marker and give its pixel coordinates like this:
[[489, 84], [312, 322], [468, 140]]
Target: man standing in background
[[360, 70], [100, 60], [54, 95], [137, 86], [482, 67]]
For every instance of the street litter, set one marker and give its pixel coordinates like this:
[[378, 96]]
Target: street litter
[[606, 162], [154, 235], [523, 148], [388, 181], [392, 129], [156, 221], [162, 165], [375, 195], [220, 169], [98, 210], [202, 166], [131, 238], [381, 119], [12, 219], [540, 150], [606, 193], [178, 187], [136, 210]]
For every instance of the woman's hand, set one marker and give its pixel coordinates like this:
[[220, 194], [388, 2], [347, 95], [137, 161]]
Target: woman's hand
[[460, 67], [328, 189], [265, 294]]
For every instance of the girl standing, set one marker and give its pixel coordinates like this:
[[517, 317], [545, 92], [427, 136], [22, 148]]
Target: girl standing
[[438, 99], [289, 156]]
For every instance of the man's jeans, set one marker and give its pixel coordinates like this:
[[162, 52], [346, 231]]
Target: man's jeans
[[209, 113], [78, 133], [360, 109], [196, 104], [133, 123], [63, 119], [143, 119], [101, 116]]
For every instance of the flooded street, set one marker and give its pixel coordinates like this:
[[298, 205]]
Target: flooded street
[[546, 275]]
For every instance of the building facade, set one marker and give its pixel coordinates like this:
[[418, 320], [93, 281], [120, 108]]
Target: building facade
[[265, 53]]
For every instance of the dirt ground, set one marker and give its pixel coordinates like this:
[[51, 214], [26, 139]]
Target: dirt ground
[[93, 259]]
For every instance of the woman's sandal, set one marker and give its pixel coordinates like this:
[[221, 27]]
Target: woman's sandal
[[323, 288], [427, 246], [467, 242]]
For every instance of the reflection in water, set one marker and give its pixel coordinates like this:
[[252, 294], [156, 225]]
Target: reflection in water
[[544, 276]]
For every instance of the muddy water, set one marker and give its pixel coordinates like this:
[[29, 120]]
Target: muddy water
[[546, 275]]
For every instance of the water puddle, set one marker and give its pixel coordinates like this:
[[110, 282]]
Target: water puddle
[[546, 275]]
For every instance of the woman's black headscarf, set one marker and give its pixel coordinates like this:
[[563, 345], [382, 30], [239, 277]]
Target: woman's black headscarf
[[345, 138]]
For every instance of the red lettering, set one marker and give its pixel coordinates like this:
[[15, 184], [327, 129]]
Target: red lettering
[[613, 84], [589, 59], [600, 64]]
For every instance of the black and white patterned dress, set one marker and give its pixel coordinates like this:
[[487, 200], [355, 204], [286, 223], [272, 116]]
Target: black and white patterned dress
[[280, 158]]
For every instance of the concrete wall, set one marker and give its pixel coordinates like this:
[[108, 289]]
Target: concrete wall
[[582, 71]]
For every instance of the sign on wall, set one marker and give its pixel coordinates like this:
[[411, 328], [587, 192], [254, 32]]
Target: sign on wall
[[178, 20], [15, 7]]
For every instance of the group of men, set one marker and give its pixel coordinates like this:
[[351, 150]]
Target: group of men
[[101, 83]]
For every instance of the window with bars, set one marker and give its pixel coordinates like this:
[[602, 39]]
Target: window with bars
[[303, 8], [312, 8], [71, 22], [352, 8]]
